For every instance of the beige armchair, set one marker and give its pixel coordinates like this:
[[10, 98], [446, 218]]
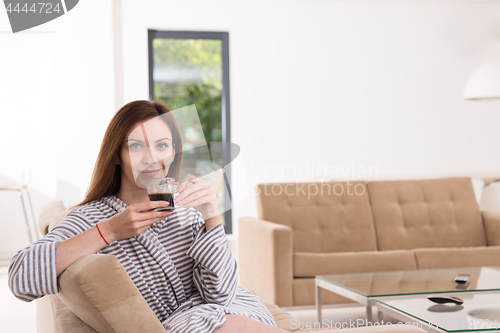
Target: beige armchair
[[97, 295]]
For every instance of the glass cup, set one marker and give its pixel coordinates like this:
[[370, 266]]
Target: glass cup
[[162, 189]]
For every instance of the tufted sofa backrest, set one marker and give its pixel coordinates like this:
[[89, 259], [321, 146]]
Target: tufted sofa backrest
[[427, 213], [325, 217]]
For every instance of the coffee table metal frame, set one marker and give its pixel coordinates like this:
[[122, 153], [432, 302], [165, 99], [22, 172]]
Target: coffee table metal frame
[[347, 293]]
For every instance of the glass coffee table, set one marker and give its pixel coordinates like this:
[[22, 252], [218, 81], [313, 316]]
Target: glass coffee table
[[367, 288], [479, 312]]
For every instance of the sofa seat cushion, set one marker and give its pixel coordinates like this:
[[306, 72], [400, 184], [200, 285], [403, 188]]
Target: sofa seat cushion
[[312, 264], [458, 257], [304, 294], [427, 213], [417, 281]]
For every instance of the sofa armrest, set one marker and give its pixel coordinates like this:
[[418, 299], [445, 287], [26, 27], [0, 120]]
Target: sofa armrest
[[265, 259], [491, 220], [99, 291]]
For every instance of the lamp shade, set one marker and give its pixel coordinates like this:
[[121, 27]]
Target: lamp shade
[[484, 82]]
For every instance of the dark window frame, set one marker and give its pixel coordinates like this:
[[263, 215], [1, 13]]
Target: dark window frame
[[225, 105]]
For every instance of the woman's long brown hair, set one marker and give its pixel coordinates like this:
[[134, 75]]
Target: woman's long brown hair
[[106, 178]]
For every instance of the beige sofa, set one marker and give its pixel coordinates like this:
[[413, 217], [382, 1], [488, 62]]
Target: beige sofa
[[309, 229]]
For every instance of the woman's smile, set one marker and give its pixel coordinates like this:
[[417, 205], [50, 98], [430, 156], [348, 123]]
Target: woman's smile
[[149, 173]]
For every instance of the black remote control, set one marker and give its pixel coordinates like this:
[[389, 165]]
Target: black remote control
[[462, 278], [446, 299]]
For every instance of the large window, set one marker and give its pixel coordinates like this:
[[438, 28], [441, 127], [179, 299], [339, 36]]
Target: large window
[[187, 68]]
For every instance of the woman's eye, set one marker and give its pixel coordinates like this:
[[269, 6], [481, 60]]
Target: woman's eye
[[134, 146], [162, 146]]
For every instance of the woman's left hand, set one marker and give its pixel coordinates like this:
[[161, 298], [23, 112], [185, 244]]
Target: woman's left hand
[[201, 196]]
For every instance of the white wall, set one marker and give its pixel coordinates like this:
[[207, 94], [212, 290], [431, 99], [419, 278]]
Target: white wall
[[56, 98], [365, 88], [315, 85]]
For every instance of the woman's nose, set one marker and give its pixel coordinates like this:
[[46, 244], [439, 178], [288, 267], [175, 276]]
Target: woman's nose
[[149, 158]]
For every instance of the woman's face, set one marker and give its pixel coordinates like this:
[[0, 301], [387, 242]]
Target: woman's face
[[141, 155]]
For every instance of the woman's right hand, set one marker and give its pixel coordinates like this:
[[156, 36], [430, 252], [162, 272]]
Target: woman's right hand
[[133, 220]]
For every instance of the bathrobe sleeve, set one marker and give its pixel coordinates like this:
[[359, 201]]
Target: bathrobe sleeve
[[215, 270], [32, 271]]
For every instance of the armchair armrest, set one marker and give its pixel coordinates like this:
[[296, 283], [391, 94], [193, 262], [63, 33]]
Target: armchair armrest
[[50, 216], [99, 291], [53, 316], [491, 220], [265, 259]]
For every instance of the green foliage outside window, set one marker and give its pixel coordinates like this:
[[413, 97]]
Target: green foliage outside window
[[193, 69]]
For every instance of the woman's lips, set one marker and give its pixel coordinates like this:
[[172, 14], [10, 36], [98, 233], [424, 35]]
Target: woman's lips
[[148, 173]]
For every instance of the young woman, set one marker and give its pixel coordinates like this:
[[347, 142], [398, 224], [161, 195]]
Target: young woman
[[180, 262]]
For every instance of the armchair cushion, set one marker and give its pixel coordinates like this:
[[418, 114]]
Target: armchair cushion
[[491, 220]]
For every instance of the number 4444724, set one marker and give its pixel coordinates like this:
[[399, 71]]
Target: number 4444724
[[40, 7]]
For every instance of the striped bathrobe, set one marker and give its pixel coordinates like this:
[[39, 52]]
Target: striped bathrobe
[[188, 276]]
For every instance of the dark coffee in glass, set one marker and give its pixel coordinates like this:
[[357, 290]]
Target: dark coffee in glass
[[163, 197], [162, 189]]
